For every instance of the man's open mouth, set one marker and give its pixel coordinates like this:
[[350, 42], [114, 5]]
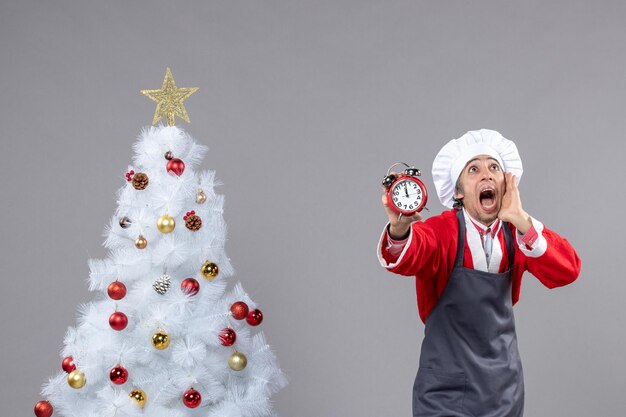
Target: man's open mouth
[[488, 199]]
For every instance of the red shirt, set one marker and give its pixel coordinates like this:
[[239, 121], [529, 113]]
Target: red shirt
[[431, 247]]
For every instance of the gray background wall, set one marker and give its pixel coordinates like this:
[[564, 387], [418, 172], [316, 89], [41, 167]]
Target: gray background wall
[[312, 101]]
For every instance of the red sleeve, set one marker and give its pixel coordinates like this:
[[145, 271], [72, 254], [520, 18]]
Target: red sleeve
[[559, 265], [427, 255], [421, 253]]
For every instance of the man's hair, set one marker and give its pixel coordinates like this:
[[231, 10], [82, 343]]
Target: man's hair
[[458, 188]]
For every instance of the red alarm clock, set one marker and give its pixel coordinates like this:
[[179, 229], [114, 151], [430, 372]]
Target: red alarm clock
[[406, 193]]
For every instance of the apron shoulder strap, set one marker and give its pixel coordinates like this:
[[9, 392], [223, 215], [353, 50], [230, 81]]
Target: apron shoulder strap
[[508, 240], [460, 242]]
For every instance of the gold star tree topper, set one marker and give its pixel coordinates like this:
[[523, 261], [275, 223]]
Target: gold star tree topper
[[169, 100]]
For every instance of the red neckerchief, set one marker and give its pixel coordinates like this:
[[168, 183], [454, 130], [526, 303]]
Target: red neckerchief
[[495, 227]]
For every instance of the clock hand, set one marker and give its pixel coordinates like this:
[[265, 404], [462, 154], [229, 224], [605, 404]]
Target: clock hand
[[406, 190]]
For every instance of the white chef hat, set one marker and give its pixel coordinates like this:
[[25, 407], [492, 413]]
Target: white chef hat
[[451, 159]]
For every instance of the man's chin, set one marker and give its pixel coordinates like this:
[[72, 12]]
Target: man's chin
[[488, 217]]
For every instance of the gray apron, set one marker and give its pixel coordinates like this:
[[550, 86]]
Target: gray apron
[[470, 365]]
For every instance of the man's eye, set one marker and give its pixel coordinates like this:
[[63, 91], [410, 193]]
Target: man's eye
[[472, 169], [495, 167]]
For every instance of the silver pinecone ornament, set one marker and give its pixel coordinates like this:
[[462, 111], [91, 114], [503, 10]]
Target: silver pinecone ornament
[[162, 284]]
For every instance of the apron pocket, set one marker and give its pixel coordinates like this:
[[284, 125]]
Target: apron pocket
[[438, 393]]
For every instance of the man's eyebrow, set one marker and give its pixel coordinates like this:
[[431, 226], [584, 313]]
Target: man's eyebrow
[[494, 160], [470, 161], [477, 159]]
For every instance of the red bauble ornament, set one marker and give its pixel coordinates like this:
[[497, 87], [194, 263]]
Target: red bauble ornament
[[118, 321], [68, 364], [239, 310], [118, 375], [43, 409], [175, 166], [116, 290], [190, 286], [255, 317], [192, 398], [228, 336]]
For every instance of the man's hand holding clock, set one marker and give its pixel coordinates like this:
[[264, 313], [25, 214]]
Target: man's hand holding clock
[[405, 196], [399, 225]]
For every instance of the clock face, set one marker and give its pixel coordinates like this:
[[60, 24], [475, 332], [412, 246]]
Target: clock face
[[407, 195]]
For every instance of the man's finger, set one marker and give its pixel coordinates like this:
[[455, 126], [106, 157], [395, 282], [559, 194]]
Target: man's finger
[[508, 181], [416, 217]]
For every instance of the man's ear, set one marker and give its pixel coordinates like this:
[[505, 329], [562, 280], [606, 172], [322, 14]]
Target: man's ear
[[458, 195]]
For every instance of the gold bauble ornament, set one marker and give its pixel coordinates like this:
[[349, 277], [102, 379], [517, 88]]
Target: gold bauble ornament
[[139, 396], [166, 223], [237, 361], [141, 242], [210, 270], [76, 379], [160, 340], [200, 196]]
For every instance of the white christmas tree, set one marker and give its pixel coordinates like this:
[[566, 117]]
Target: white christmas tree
[[164, 337]]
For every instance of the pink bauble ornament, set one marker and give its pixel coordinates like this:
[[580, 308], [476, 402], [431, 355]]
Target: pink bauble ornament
[[118, 321]]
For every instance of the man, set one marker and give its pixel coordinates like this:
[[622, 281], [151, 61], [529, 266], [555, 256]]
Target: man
[[468, 264]]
